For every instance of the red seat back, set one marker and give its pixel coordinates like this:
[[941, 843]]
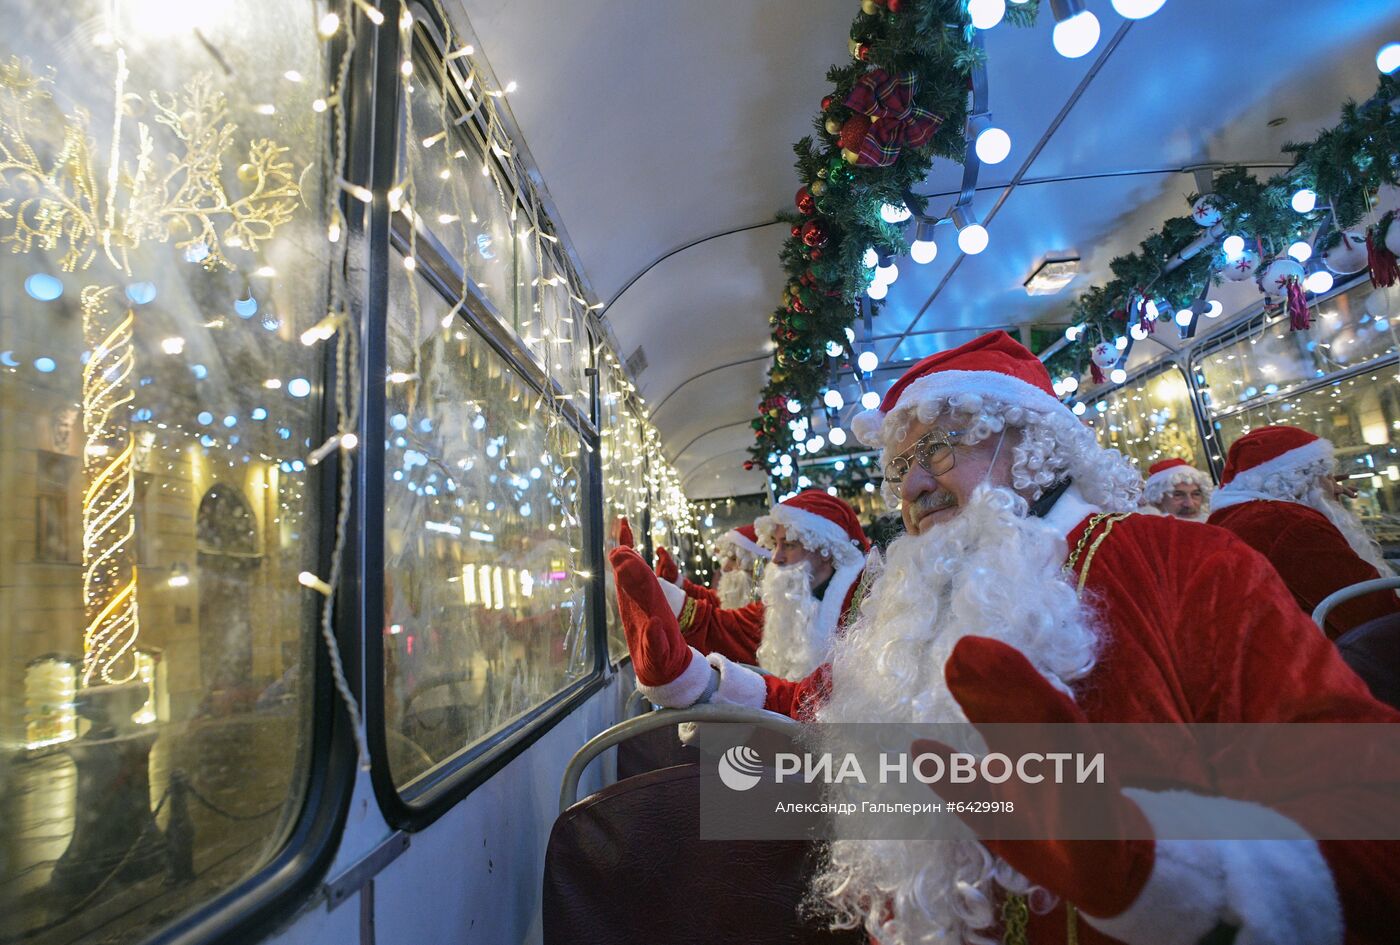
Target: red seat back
[[627, 865]]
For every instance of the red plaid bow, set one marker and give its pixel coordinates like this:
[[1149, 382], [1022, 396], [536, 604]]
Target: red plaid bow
[[896, 122]]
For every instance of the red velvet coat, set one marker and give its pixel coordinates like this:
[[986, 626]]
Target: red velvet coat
[[1311, 556], [1200, 629]]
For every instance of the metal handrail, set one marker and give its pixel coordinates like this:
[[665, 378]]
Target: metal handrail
[[1319, 614], [635, 700], [662, 718]]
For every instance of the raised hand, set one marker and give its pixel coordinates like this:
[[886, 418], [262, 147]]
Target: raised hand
[[622, 533], [666, 567], [668, 670]]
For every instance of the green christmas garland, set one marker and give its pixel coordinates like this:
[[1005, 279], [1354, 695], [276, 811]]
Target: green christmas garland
[[927, 45], [1345, 166]]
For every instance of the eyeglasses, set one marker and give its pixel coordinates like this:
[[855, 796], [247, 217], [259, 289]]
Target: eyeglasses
[[933, 451]]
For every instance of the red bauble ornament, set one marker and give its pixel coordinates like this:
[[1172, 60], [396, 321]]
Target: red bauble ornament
[[815, 254], [853, 132], [806, 203], [826, 103], [863, 52], [748, 465], [796, 230], [814, 234], [893, 5], [797, 305]]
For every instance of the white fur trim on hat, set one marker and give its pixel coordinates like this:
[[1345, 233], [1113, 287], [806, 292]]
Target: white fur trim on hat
[[869, 425], [1287, 464], [817, 534], [686, 689], [1275, 887], [741, 541]]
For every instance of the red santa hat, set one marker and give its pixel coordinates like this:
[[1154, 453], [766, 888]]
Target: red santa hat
[[745, 539], [819, 522], [1166, 473], [1271, 451], [993, 365]]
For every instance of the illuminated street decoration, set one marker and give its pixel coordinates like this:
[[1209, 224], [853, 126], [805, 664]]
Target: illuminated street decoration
[[64, 207]]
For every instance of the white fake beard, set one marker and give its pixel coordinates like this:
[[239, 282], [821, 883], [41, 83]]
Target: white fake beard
[[1200, 516], [1351, 528], [992, 572], [793, 645], [735, 589]]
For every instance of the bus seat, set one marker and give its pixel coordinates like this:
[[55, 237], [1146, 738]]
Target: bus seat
[[1372, 650], [650, 751], [627, 865]]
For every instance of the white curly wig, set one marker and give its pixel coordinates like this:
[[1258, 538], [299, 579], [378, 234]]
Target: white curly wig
[[1156, 487], [1052, 444]]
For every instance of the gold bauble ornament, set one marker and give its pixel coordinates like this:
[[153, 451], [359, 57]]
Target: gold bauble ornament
[[817, 187], [868, 7], [849, 156], [833, 127], [248, 173]]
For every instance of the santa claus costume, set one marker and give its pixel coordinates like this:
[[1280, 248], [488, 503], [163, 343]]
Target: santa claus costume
[[1169, 474], [734, 588], [1274, 496], [1049, 601], [789, 630]]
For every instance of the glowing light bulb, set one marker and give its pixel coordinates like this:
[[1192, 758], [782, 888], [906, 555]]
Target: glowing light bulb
[[1078, 409], [986, 13], [878, 290], [1318, 282], [328, 25], [895, 213], [1070, 383], [815, 443], [993, 145], [1118, 375], [794, 406], [833, 399], [1073, 332], [1233, 246], [887, 274], [1138, 332], [1137, 9], [923, 251], [870, 259], [1120, 342], [972, 239], [868, 361], [1183, 317], [1214, 309], [1301, 251], [837, 436], [1076, 35], [833, 350], [1388, 58], [870, 400], [1304, 201]]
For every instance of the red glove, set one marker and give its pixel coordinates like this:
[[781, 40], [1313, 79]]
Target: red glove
[[996, 684], [666, 567], [622, 533], [660, 654]]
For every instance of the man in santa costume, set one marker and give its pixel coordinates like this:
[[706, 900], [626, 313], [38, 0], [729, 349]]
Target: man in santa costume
[[818, 555], [738, 552], [1278, 494], [1174, 487], [1025, 591]]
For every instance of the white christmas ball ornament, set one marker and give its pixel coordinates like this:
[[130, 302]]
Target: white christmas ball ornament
[[1242, 267], [1105, 354], [1379, 304], [1275, 279], [1204, 211], [1347, 256]]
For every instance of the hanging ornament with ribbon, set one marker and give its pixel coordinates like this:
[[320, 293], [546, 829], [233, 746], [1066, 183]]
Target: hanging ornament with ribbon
[[886, 120], [1382, 248], [1104, 356]]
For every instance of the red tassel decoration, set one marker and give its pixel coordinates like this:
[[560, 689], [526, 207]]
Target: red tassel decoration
[[1299, 318], [1096, 373], [1381, 261], [1146, 324]]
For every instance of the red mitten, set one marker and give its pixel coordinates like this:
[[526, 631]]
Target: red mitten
[[660, 654], [622, 533], [666, 567], [996, 685]]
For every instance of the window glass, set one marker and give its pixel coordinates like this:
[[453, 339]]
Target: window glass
[[1270, 360], [485, 581], [1149, 419], [624, 485], [1360, 414], [456, 187], [161, 196]]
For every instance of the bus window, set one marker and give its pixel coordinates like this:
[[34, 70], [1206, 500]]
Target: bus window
[[1336, 381], [166, 246], [623, 456], [1148, 419], [485, 611]]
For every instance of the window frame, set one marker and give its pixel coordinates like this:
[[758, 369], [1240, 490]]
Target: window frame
[[440, 789], [1204, 432]]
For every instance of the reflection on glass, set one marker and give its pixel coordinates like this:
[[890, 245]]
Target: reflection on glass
[[162, 170], [623, 456], [1150, 419], [485, 604]]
